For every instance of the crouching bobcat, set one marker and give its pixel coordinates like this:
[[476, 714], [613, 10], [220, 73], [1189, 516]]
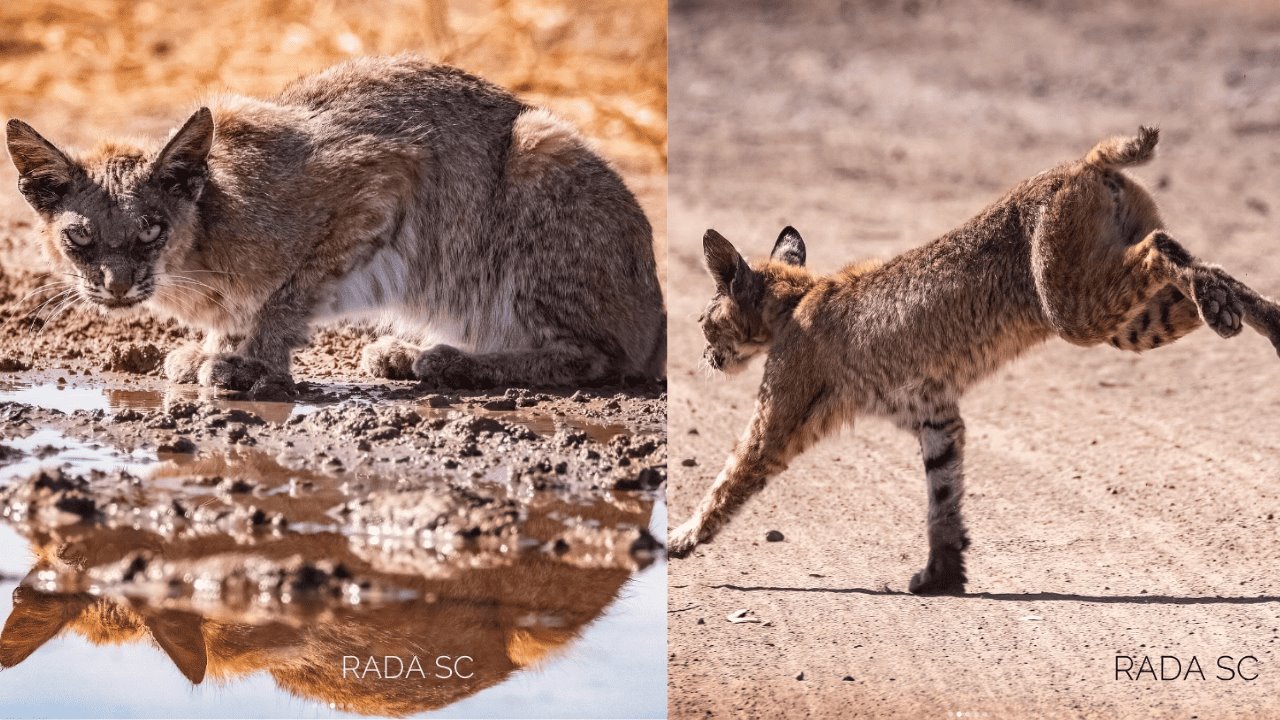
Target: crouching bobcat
[[482, 233], [1075, 252]]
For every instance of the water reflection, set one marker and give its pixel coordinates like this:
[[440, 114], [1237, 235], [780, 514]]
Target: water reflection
[[322, 601], [70, 396]]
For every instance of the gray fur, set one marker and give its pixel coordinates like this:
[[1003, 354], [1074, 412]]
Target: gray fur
[[481, 232]]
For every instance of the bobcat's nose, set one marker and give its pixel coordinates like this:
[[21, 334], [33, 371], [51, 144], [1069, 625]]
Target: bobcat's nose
[[116, 282]]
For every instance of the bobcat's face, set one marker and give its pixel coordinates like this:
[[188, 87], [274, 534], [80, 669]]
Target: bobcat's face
[[113, 255], [734, 334], [113, 219], [734, 322]]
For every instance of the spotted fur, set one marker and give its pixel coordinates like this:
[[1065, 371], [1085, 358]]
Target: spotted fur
[[1076, 252]]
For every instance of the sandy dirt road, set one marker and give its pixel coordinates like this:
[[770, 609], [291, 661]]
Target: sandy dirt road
[[1119, 505]]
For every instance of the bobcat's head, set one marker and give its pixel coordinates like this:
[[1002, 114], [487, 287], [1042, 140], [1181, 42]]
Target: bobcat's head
[[737, 321], [112, 218]]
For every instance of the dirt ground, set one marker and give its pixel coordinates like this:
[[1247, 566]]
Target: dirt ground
[[1119, 505]]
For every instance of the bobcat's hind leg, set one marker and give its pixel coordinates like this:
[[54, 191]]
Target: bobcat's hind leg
[[786, 421], [1209, 287], [1260, 313], [1197, 292], [569, 364], [389, 357], [942, 447], [1167, 316]]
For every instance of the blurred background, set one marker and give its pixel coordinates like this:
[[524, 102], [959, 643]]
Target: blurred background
[[79, 70], [110, 63]]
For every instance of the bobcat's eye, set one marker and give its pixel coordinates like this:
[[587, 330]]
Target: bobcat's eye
[[78, 234], [150, 233]]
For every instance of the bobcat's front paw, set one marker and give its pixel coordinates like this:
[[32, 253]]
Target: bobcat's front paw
[[390, 358], [444, 366], [683, 539], [944, 575], [243, 374], [182, 364], [1219, 305]]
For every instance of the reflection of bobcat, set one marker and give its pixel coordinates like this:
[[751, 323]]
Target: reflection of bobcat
[[1075, 252], [493, 615], [483, 232]]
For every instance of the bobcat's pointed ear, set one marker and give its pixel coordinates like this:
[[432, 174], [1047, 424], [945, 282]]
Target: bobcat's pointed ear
[[723, 260], [789, 248], [36, 618], [45, 173], [182, 166], [181, 636]]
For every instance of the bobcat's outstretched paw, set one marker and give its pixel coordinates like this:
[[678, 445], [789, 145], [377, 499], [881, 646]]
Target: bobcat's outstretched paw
[[1220, 307], [242, 374], [444, 366], [182, 364], [682, 540], [944, 575], [390, 358]]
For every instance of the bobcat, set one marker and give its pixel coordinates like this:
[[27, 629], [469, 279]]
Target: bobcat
[[1076, 251], [483, 234]]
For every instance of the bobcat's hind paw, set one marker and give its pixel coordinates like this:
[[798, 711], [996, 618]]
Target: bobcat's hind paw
[[444, 366], [1220, 306], [390, 358], [943, 575], [182, 364]]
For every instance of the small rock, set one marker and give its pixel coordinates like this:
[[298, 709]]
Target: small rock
[[848, 678], [500, 404], [774, 536], [127, 415], [135, 359], [236, 486], [688, 462], [800, 676], [740, 616], [14, 364], [178, 446], [182, 410]]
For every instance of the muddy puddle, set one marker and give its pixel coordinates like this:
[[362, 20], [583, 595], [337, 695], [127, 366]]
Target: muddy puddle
[[350, 554]]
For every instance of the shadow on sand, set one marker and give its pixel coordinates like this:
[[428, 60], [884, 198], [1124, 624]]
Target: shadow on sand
[[1026, 597]]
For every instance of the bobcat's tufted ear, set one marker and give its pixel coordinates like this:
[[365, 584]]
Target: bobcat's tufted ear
[[789, 248], [723, 260], [180, 634], [45, 173], [182, 166], [36, 618]]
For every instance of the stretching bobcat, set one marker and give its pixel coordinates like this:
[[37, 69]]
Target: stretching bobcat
[[483, 232], [1075, 252]]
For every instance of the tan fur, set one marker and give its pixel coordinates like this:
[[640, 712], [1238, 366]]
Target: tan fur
[[484, 236], [1076, 252]]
